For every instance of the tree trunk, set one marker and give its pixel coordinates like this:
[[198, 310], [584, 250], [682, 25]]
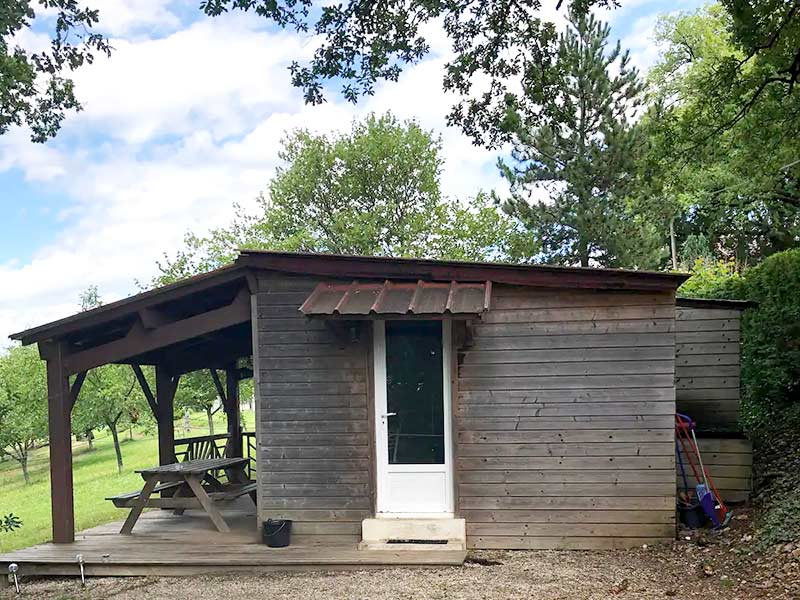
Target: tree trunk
[[117, 449], [23, 462], [90, 439], [130, 433], [210, 416], [673, 244]]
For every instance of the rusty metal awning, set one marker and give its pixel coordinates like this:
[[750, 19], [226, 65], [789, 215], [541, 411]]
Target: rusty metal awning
[[362, 299]]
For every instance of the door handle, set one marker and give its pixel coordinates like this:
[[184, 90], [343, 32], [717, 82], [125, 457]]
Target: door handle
[[389, 415]]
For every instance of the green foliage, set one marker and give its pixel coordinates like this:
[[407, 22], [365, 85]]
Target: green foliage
[[770, 335], [95, 478], [373, 191], [495, 43], [110, 397], [695, 247], [721, 154], [577, 143], [90, 298], [776, 481], [770, 407], [23, 404], [10, 522], [765, 64], [771, 349], [33, 89], [712, 279], [196, 391]]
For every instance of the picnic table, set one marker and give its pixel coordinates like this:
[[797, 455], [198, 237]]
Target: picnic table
[[195, 485]]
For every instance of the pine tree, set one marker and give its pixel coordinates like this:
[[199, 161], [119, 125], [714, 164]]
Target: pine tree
[[581, 153]]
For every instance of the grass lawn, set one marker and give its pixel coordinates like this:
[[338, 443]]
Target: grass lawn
[[95, 477]]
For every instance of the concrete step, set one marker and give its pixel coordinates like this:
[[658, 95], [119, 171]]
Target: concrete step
[[451, 546], [377, 533]]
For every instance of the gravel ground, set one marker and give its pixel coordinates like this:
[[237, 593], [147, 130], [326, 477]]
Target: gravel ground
[[705, 565]]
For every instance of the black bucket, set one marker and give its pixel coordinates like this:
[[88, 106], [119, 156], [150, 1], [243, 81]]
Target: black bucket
[[277, 532], [692, 515]]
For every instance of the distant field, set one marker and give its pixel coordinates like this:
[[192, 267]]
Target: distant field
[[95, 477]]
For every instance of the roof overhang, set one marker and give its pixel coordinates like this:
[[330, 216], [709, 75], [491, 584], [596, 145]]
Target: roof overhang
[[200, 322], [191, 318], [714, 303], [414, 269], [139, 305]]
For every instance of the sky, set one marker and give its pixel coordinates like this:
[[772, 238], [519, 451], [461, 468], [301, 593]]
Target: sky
[[183, 121]]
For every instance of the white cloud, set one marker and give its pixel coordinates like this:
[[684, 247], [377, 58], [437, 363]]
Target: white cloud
[[219, 73], [641, 43], [120, 17], [174, 131], [40, 163]]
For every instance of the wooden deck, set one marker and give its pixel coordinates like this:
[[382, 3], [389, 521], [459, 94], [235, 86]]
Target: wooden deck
[[169, 545]]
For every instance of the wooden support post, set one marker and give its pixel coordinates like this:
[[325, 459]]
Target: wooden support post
[[232, 410], [166, 385], [59, 401]]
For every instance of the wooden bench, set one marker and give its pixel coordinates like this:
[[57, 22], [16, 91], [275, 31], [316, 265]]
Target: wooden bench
[[195, 487], [228, 493], [124, 500], [233, 491]]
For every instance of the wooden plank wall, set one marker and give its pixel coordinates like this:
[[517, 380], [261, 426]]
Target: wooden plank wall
[[565, 420], [729, 464], [314, 431], [707, 366]]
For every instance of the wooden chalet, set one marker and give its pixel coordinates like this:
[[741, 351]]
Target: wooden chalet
[[465, 405]]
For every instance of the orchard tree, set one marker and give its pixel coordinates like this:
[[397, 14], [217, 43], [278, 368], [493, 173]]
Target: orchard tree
[[110, 396], [578, 147], [372, 191], [35, 89], [85, 420], [197, 391], [23, 404]]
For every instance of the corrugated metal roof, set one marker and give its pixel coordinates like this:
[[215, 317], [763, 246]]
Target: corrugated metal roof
[[398, 298]]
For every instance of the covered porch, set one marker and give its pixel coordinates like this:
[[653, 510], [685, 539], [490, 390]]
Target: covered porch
[[165, 544], [202, 323]]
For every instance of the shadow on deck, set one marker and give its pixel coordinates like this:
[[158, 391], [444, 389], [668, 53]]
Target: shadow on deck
[[165, 544]]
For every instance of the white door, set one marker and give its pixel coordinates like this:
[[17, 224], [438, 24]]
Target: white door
[[413, 418]]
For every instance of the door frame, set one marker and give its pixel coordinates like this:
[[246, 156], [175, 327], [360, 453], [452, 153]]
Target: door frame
[[382, 467]]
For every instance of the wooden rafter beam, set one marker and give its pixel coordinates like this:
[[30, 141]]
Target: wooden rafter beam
[[151, 318], [75, 389], [148, 393], [130, 306], [140, 340], [220, 389], [209, 356]]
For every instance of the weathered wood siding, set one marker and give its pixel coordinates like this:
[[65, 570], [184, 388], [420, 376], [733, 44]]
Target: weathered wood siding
[[707, 366], [565, 420], [729, 464], [314, 431]]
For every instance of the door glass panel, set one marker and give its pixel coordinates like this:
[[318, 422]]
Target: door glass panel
[[414, 392]]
